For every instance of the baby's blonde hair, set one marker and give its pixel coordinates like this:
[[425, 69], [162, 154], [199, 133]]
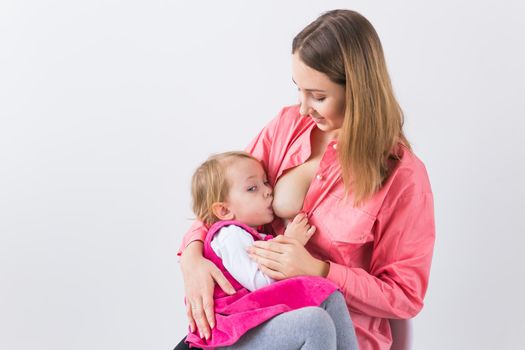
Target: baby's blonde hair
[[209, 184]]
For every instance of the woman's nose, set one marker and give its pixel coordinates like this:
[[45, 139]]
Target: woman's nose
[[304, 109]]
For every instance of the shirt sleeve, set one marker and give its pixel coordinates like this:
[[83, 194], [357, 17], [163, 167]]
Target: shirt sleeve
[[197, 232], [400, 263], [230, 245], [261, 145]]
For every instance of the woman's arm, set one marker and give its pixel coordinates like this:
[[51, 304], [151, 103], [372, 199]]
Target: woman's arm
[[400, 265]]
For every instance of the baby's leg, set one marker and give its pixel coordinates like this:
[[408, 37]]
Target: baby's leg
[[308, 328], [336, 307]]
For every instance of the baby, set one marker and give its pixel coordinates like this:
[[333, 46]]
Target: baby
[[233, 197], [234, 186]]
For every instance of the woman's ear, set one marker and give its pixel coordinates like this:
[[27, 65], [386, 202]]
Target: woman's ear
[[221, 211]]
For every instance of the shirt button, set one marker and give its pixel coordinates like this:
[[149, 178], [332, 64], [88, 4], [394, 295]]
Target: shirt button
[[319, 177]]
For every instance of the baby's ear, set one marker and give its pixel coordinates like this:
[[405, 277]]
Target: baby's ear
[[221, 211]]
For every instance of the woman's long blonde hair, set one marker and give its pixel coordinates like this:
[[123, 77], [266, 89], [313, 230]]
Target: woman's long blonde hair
[[344, 45]]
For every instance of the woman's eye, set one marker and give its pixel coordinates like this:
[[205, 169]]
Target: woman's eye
[[319, 99]]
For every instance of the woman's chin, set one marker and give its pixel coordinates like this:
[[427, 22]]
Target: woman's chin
[[327, 128]]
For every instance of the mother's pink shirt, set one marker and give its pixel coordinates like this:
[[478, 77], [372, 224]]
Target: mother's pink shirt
[[379, 253]]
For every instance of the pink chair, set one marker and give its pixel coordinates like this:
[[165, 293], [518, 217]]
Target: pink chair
[[401, 334]]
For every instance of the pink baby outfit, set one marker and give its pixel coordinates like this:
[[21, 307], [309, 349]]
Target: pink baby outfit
[[244, 310]]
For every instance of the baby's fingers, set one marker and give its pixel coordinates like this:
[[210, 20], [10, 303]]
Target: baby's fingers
[[299, 218], [310, 231]]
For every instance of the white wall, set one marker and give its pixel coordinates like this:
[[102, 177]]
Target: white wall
[[106, 107]]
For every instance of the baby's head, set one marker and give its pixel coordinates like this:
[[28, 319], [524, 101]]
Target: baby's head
[[232, 186]]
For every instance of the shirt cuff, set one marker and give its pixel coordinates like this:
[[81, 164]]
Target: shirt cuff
[[337, 274], [196, 233]]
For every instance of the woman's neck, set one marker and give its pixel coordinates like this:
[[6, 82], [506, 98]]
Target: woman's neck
[[320, 139]]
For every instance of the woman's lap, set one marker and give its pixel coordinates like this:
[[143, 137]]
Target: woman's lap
[[326, 327], [305, 328]]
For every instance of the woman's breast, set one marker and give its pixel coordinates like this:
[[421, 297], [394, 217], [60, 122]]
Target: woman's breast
[[291, 188]]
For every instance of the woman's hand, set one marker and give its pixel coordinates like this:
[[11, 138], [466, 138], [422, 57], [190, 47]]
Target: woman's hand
[[199, 276], [284, 257]]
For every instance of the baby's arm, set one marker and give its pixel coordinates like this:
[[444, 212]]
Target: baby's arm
[[300, 229], [230, 245]]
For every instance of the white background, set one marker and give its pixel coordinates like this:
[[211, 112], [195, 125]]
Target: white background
[[106, 108]]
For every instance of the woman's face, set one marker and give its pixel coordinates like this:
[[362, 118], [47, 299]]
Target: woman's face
[[319, 97]]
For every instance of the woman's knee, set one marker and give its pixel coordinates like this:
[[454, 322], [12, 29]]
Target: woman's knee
[[335, 298], [317, 321]]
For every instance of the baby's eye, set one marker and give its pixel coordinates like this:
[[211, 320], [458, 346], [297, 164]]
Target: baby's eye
[[252, 189]]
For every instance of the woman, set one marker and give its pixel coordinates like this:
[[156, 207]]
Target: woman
[[342, 158]]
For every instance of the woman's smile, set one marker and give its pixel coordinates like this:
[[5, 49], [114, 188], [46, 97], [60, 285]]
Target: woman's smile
[[318, 120]]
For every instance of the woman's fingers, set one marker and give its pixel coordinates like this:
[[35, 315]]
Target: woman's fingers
[[207, 298], [310, 231], [274, 245], [200, 318], [221, 280], [189, 314], [207, 305], [199, 275], [276, 275], [263, 253], [269, 263]]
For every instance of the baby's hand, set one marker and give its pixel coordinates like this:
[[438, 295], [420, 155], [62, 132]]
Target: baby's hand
[[300, 229]]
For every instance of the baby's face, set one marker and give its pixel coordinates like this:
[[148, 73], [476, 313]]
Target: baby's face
[[250, 197]]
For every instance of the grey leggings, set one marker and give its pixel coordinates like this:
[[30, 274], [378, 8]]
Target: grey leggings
[[327, 327]]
